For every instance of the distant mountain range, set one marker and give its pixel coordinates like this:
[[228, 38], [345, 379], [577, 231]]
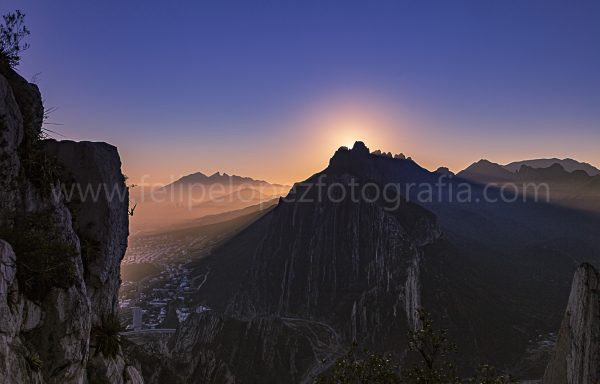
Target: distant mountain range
[[569, 165], [572, 188], [221, 178], [197, 195]]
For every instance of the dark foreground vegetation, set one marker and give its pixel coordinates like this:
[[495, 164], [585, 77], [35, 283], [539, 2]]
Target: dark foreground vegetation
[[432, 349]]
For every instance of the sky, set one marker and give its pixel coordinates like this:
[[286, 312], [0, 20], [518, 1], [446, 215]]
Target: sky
[[270, 89]]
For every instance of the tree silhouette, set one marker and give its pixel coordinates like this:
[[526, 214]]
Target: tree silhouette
[[433, 347], [12, 33]]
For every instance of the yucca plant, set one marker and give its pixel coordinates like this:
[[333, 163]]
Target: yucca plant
[[107, 336]]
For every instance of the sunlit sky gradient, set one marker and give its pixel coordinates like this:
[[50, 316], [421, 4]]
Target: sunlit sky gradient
[[271, 89]]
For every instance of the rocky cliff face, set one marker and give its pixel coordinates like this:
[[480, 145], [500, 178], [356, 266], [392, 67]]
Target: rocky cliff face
[[59, 271], [325, 268], [214, 348], [576, 358]]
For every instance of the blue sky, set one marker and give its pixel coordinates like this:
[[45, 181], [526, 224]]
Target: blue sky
[[219, 85]]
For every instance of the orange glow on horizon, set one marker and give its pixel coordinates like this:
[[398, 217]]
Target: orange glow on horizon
[[306, 141]]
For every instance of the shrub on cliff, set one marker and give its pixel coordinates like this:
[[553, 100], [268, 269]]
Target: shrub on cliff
[[12, 34], [107, 336], [369, 368], [433, 347]]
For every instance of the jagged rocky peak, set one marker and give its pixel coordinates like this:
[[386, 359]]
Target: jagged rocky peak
[[376, 166], [361, 153], [344, 157], [576, 358], [444, 171], [218, 177], [59, 258], [360, 147]]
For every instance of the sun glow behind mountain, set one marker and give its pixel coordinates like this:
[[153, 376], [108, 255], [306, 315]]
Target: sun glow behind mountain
[[349, 133], [342, 120], [345, 133], [234, 103]]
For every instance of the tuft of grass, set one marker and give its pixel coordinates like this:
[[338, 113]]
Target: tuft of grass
[[31, 356], [107, 336], [34, 361]]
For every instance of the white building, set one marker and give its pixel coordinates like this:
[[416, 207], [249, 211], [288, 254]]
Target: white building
[[137, 318]]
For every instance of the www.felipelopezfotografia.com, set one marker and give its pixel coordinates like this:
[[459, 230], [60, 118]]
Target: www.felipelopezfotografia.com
[[299, 192]]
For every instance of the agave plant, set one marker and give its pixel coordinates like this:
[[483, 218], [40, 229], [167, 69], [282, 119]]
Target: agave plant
[[107, 336]]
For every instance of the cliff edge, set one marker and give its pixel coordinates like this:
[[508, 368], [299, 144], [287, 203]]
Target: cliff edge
[[576, 358], [60, 250]]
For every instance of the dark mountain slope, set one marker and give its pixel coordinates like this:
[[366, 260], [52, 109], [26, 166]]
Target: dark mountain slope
[[309, 253], [326, 261]]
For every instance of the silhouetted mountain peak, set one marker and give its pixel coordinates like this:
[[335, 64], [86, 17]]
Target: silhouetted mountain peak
[[444, 171], [360, 147], [192, 178], [375, 166], [486, 163], [486, 169]]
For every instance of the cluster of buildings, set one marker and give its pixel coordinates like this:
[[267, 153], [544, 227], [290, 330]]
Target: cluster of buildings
[[145, 303]]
